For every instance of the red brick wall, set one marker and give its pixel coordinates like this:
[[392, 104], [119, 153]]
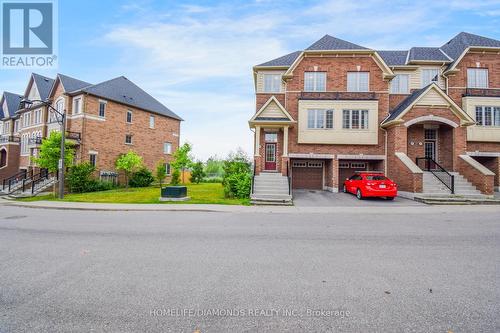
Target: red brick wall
[[395, 99], [493, 164], [484, 183], [12, 166]]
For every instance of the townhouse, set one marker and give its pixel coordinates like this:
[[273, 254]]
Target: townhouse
[[429, 117], [103, 120]]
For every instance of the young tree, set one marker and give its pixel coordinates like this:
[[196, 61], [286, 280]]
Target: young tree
[[197, 172], [176, 177], [129, 163], [182, 159], [161, 172]]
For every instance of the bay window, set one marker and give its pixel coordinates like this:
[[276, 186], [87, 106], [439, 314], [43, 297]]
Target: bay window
[[488, 116]]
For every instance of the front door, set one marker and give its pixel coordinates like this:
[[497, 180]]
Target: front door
[[270, 163], [430, 146]]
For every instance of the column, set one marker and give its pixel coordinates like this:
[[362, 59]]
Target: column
[[285, 141], [257, 141]]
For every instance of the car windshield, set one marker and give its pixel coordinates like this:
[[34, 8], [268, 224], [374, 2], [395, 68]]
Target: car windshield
[[375, 177]]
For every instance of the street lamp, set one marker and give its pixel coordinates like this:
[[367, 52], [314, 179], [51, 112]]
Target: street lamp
[[62, 121]]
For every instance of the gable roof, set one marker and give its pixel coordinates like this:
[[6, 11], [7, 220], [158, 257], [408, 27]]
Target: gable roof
[[286, 117], [394, 58], [406, 104], [43, 84], [328, 43], [285, 61], [124, 91], [427, 54], [71, 84], [13, 101]]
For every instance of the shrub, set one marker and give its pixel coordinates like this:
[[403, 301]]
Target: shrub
[[80, 178], [197, 173], [237, 176], [141, 178], [176, 177], [213, 180]]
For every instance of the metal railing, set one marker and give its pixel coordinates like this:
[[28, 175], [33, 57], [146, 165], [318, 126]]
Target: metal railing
[[12, 181], [253, 177], [483, 92], [10, 138], [39, 181], [77, 136], [35, 141], [428, 164], [289, 177]]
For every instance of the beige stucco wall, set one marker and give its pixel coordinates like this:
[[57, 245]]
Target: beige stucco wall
[[481, 133], [338, 135]]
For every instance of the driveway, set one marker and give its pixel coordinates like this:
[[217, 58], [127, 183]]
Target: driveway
[[312, 198]]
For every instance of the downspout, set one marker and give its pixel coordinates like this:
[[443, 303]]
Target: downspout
[[385, 150]]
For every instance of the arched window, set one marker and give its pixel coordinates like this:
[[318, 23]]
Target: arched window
[[3, 158]]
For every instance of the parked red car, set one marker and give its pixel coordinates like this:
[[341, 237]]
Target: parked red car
[[370, 184]]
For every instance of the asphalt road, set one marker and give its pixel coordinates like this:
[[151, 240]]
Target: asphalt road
[[420, 269]]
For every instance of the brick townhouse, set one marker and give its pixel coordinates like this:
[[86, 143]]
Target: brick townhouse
[[423, 115], [104, 120]]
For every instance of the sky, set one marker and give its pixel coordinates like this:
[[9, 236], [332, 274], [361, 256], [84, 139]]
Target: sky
[[196, 57]]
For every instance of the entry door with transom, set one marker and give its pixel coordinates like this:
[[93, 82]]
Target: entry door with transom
[[271, 139], [430, 146]]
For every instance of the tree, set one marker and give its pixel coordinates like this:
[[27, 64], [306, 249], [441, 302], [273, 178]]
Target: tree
[[197, 172], [129, 163], [176, 177], [214, 167], [182, 160], [50, 153], [161, 172]]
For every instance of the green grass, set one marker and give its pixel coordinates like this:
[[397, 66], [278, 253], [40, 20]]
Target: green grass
[[205, 193]]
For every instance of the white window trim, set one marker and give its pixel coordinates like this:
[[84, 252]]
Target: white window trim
[[357, 81], [273, 88], [425, 70], [78, 110], [359, 120], [99, 109], [131, 117], [483, 113], [168, 151], [315, 82], [131, 139], [399, 90], [475, 78], [315, 121], [154, 121]]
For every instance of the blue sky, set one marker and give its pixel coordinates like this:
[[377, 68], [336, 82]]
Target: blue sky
[[197, 57]]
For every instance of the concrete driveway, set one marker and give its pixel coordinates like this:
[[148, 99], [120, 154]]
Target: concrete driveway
[[312, 198]]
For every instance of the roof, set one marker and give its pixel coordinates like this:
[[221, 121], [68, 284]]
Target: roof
[[71, 84], [394, 58], [286, 60], [43, 84], [457, 45], [405, 103], [13, 101], [427, 54], [327, 43], [124, 91], [271, 119]]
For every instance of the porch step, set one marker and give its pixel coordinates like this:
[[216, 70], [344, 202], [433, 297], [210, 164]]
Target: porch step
[[271, 189], [433, 186]]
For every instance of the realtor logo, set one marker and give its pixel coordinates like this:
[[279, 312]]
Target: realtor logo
[[28, 34]]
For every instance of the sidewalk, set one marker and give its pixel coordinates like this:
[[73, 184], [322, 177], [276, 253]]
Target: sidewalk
[[410, 209]]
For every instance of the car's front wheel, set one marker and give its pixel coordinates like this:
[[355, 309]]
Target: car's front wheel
[[359, 195]]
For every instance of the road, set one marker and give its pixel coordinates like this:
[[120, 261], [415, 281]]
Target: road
[[404, 269]]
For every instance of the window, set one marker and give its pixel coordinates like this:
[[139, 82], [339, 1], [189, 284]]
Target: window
[[355, 119], [102, 109], [429, 75], [151, 121], [315, 164], [488, 116], [129, 116], [357, 81], [343, 165], [38, 117], [93, 159], [299, 164], [358, 165], [167, 148], [272, 82], [477, 78], [400, 84], [26, 119], [315, 81], [319, 118], [167, 169], [271, 137], [16, 126], [128, 139], [77, 106]]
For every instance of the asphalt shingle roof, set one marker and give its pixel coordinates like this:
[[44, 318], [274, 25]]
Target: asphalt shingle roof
[[44, 85], [456, 46], [124, 91], [328, 42], [286, 60], [427, 53], [71, 84], [394, 58], [405, 103], [13, 101]]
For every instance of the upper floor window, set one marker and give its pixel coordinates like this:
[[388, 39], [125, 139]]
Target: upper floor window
[[16, 126], [477, 78], [355, 119], [319, 118], [129, 116], [128, 139], [429, 75], [167, 148], [102, 109], [38, 116], [272, 82], [27, 119], [400, 84], [488, 116], [93, 159], [77, 106], [358, 81], [167, 169], [151, 121], [315, 81]]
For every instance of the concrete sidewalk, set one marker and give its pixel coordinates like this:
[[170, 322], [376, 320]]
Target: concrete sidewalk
[[410, 209]]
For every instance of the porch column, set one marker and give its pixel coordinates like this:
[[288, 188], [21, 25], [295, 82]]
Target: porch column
[[285, 141], [257, 141]]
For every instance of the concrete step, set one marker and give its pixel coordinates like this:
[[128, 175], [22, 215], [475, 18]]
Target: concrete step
[[271, 197], [271, 191]]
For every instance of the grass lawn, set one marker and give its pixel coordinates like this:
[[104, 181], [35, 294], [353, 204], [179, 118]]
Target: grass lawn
[[205, 193]]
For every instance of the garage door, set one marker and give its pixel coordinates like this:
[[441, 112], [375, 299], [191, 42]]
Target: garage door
[[307, 175], [348, 168]]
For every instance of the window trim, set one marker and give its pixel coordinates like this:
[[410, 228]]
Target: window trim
[[315, 81], [422, 85], [94, 155], [483, 115], [167, 151], [152, 117], [475, 78], [105, 103], [399, 91], [126, 137], [129, 112], [361, 112], [276, 89], [358, 81], [168, 169], [77, 110], [325, 119]]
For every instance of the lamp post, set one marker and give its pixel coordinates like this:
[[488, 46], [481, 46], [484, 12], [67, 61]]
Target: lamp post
[[62, 121]]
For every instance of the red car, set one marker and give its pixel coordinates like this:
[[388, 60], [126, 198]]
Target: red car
[[371, 184]]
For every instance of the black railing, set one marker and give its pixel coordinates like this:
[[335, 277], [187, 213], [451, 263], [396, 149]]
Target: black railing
[[428, 164], [483, 92], [39, 180], [35, 141], [10, 138], [253, 177], [289, 176], [77, 136], [12, 181]]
